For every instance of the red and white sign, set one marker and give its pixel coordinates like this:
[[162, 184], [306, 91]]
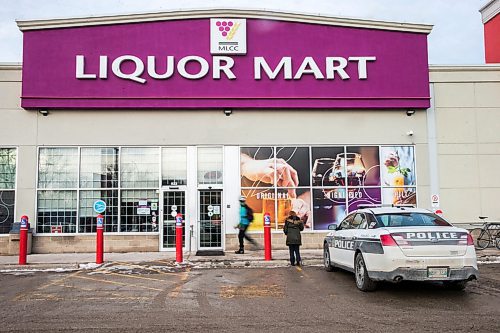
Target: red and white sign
[[56, 229], [435, 200]]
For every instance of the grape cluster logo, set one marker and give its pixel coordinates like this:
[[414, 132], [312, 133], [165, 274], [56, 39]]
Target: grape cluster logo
[[228, 36], [227, 28]]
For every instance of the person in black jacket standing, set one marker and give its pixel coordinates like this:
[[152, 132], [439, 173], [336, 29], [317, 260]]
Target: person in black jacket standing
[[293, 227]]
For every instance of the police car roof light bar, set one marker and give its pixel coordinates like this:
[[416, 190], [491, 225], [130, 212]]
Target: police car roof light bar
[[369, 206], [402, 206]]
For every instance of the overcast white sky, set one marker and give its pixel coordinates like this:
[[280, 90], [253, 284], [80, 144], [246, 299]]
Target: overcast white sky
[[457, 37]]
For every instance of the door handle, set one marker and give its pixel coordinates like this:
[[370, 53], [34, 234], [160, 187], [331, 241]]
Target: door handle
[[344, 237], [354, 237]]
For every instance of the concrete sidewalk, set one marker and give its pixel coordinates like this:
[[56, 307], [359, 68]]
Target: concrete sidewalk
[[74, 260], [229, 259]]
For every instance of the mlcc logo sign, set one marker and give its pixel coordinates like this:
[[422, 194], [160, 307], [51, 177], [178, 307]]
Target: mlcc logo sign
[[228, 36]]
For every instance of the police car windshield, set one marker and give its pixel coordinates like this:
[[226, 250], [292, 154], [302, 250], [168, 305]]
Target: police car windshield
[[410, 220]]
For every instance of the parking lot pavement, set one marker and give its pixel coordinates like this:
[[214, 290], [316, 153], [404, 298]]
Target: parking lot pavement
[[157, 296], [75, 261]]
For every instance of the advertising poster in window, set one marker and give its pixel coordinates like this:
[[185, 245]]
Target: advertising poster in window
[[363, 196], [398, 175], [285, 172], [300, 203], [362, 166], [399, 196], [329, 207], [398, 166], [324, 183], [292, 166], [257, 166], [328, 167], [261, 201]]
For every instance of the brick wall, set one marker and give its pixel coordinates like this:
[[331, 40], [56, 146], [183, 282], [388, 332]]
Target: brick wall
[[86, 243], [4, 245]]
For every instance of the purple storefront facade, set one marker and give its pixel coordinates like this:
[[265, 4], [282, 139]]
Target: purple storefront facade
[[395, 63], [184, 112]]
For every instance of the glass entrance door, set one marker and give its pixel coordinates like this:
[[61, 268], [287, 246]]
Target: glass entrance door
[[174, 202], [210, 219]]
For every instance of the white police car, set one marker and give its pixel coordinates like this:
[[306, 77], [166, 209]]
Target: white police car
[[400, 243]]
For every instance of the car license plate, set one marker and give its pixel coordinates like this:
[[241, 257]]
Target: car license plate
[[437, 272]]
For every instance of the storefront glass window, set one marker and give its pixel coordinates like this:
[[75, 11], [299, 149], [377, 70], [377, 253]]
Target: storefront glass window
[[99, 168], [56, 212], [7, 168], [174, 166], [7, 188], [139, 167], [322, 184], [137, 210], [87, 215], [210, 165], [58, 168], [94, 175]]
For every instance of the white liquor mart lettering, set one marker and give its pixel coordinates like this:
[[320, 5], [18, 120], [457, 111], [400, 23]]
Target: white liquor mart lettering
[[331, 68]]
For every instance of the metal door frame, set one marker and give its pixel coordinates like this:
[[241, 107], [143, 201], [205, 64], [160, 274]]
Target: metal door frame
[[187, 239], [198, 223]]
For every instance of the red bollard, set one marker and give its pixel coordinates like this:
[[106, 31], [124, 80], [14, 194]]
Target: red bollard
[[23, 240], [178, 238], [99, 255], [267, 237]]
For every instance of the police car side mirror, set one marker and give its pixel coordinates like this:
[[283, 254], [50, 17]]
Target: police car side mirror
[[333, 226]]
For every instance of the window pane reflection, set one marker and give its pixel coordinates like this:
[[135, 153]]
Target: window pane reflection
[[210, 165], [87, 219], [58, 168], [137, 210], [174, 166], [7, 168], [99, 168], [139, 167], [56, 211]]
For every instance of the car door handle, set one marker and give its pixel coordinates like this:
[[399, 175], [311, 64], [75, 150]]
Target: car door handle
[[354, 237], [344, 237]]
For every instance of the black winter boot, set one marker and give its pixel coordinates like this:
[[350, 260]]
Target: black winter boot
[[240, 251]]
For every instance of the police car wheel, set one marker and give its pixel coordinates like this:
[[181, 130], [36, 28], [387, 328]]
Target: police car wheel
[[326, 259], [363, 281]]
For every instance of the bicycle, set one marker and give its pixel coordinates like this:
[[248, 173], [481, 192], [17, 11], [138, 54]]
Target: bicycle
[[487, 234]]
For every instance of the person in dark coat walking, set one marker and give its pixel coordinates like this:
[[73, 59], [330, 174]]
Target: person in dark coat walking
[[293, 227]]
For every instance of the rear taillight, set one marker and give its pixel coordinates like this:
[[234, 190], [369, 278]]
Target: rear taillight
[[466, 240], [387, 240], [470, 240]]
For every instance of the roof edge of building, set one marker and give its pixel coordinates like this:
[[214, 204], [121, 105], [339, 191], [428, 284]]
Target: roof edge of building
[[464, 73], [490, 10], [11, 65], [462, 68], [26, 25]]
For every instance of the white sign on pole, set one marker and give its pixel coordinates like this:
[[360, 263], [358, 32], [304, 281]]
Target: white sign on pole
[[435, 200]]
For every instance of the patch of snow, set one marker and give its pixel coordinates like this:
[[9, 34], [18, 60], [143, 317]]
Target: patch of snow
[[486, 262], [90, 265], [33, 270]]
